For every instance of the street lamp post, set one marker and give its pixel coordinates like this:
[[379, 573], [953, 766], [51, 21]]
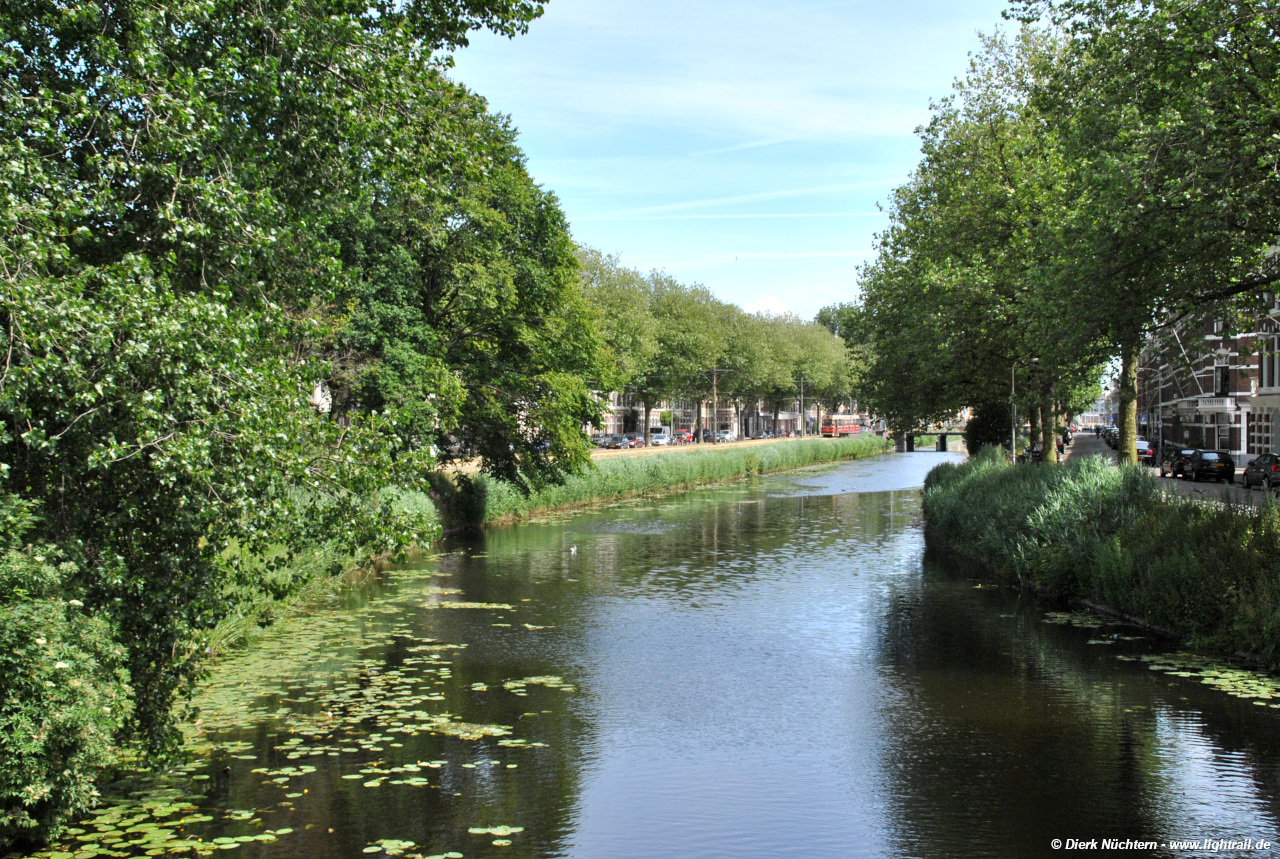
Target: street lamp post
[[715, 398], [1013, 411]]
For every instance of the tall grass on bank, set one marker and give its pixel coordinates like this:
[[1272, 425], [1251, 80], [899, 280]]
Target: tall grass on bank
[[484, 500], [1206, 572]]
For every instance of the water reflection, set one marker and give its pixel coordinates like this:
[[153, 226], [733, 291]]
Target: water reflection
[[770, 669]]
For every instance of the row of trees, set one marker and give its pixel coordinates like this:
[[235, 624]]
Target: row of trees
[[1106, 172], [665, 341]]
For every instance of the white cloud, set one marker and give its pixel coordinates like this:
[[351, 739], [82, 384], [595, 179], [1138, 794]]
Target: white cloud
[[756, 197]]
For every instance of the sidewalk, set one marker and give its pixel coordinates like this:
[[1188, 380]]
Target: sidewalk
[[1087, 444]]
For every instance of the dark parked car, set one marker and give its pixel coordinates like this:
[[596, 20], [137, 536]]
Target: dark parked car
[[1146, 453], [1174, 463], [1212, 465], [1263, 470], [707, 436], [617, 441]]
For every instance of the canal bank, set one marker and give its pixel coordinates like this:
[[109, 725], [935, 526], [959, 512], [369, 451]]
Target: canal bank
[[1207, 574], [463, 501], [474, 501], [758, 669]]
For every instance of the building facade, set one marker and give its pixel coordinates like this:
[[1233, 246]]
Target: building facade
[[1209, 388]]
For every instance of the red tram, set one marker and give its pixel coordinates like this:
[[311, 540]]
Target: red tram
[[834, 426]]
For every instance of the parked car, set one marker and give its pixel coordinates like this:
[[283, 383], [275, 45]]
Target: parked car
[[659, 439], [617, 441], [1263, 470], [1212, 464], [635, 439], [1146, 453], [599, 439], [707, 437], [682, 436], [1174, 461], [725, 435]]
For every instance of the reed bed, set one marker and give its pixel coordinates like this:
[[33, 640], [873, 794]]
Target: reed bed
[[1206, 572], [487, 501]]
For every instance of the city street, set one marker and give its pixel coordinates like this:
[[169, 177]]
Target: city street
[[1087, 444]]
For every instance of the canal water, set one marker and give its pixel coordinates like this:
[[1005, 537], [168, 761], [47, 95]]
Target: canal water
[[762, 670]]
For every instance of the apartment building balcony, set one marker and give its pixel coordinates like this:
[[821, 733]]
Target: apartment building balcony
[[1209, 405]]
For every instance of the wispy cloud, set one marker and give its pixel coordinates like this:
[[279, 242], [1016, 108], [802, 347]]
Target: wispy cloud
[[743, 147], [710, 216], [674, 131], [742, 256], [756, 197]]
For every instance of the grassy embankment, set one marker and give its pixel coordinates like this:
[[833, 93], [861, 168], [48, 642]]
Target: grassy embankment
[[1208, 574], [479, 501]]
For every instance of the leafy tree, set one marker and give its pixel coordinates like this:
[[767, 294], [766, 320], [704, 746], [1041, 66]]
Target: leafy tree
[[692, 336], [172, 178], [1166, 112], [619, 297], [466, 320], [960, 296]]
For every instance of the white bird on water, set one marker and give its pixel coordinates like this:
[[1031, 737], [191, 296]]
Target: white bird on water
[[573, 550]]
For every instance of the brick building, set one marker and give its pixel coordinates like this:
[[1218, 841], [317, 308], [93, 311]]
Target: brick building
[[1212, 389]]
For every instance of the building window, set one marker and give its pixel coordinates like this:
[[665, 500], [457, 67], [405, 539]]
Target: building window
[[1221, 380], [1269, 363]]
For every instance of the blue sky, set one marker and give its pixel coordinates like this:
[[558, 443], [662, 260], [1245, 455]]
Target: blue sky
[[741, 145]]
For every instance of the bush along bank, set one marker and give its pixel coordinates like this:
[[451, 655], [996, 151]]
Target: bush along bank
[[66, 694], [1208, 574], [474, 502]]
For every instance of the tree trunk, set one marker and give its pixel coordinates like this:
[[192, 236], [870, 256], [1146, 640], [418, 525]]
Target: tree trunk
[[648, 409], [1048, 427], [1033, 417], [777, 407], [1127, 452]]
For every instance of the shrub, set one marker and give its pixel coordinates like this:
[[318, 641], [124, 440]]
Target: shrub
[[1207, 572], [63, 693]]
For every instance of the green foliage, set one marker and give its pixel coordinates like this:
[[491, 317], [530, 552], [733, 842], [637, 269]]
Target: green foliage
[[1209, 573], [63, 691], [1085, 184], [466, 319], [662, 340], [176, 185], [989, 425]]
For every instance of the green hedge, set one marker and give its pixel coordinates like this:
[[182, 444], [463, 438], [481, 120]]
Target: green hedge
[[63, 693], [1207, 572], [484, 500]]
